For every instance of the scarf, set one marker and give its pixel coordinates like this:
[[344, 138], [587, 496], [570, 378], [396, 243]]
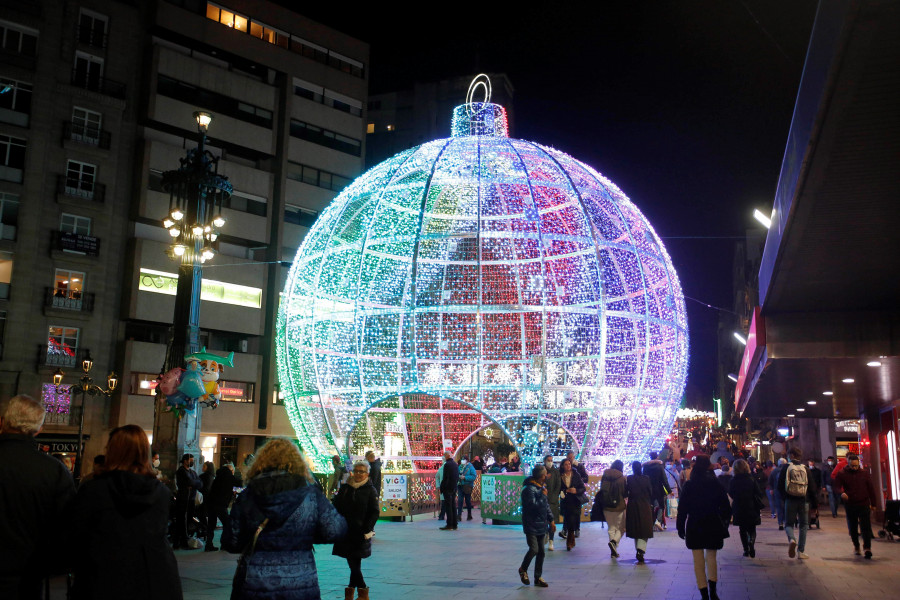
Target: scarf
[[356, 485]]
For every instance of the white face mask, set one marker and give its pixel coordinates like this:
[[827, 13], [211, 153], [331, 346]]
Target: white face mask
[[463, 461], [548, 464], [156, 463]]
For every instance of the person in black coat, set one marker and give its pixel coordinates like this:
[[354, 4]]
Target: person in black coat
[[357, 502], [207, 516], [703, 514], [374, 471], [571, 488], [187, 482], [746, 502], [118, 527], [448, 488], [537, 520], [639, 511], [221, 492]]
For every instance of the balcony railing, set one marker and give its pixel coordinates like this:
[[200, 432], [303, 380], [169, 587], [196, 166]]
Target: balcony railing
[[80, 188], [68, 300], [91, 36], [56, 357], [95, 83], [84, 134], [76, 242]]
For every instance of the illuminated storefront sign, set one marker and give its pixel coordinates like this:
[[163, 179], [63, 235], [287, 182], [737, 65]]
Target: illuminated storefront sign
[[160, 282]]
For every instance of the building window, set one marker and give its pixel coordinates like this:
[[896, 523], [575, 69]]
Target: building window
[[88, 71], [6, 266], [248, 203], [57, 403], [16, 39], [75, 224], [86, 125], [80, 179], [316, 177], [15, 105], [226, 17], [68, 289], [299, 216], [62, 345], [213, 101], [9, 216], [325, 137], [12, 158], [317, 93], [269, 34], [370, 128], [92, 28]]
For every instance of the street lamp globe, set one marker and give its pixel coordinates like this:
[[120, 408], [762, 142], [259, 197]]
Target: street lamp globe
[[203, 120]]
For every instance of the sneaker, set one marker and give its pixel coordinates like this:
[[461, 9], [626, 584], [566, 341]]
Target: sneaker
[[868, 554], [539, 582], [550, 546], [564, 534], [612, 549], [792, 549], [802, 555]]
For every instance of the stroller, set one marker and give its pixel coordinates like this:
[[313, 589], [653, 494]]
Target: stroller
[[891, 520]]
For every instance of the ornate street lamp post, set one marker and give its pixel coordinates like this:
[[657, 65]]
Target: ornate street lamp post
[[86, 387], [197, 194]]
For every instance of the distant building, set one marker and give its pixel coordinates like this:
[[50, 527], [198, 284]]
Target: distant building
[[400, 120], [100, 105]]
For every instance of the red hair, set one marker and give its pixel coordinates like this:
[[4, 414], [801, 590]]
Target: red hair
[[128, 449]]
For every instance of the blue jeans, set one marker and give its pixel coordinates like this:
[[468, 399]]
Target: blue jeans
[[461, 497], [771, 495], [796, 509], [779, 506], [832, 500]]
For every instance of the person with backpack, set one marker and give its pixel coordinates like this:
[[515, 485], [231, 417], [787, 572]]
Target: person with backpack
[[612, 490], [798, 488]]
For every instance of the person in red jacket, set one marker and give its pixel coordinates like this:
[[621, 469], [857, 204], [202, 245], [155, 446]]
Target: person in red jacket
[[859, 498]]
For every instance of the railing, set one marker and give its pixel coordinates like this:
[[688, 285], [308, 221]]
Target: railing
[[89, 136], [68, 299], [95, 83], [58, 358], [80, 188], [76, 242], [91, 36]]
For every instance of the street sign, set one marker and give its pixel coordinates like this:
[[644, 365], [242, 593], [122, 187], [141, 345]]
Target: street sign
[[394, 487]]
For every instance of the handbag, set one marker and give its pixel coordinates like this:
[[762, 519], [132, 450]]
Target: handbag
[[583, 498], [467, 488], [198, 498]]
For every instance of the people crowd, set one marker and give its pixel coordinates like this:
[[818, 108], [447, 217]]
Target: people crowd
[[125, 522]]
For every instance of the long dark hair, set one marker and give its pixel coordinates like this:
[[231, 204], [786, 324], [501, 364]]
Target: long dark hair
[[701, 467], [636, 468]]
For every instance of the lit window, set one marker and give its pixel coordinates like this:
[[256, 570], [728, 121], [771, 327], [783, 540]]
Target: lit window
[[6, 266], [390, 127], [62, 345], [68, 288], [160, 282], [370, 128]]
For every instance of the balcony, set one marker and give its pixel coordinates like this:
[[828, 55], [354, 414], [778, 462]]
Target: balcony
[[68, 300], [80, 188], [77, 243], [91, 36], [89, 81], [58, 356], [89, 136]]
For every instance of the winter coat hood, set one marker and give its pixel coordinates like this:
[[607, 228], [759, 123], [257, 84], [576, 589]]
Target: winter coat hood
[[132, 494], [277, 494], [612, 474]]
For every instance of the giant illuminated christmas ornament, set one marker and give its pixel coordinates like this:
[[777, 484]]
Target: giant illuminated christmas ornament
[[481, 281]]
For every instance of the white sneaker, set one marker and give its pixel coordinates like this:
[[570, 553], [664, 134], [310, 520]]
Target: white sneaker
[[550, 547], [802, 555], [792, 549]]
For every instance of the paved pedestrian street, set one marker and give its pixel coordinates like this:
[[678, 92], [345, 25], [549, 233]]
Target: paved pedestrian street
[[417, 561]]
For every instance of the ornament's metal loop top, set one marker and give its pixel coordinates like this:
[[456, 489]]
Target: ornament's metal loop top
[[480, 81]]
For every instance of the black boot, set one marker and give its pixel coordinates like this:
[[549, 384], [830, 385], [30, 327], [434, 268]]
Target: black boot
[[469, 518], [704, 593], [712, 591]]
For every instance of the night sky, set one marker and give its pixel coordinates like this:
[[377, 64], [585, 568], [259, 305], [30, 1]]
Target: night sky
[[685, 105]]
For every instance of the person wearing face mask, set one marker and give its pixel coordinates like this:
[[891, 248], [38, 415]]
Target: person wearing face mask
[[553, 484], [467, 477], [858, 494], [829, 487]]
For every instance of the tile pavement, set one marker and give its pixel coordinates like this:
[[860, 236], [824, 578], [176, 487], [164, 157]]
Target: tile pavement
[[414, 560]]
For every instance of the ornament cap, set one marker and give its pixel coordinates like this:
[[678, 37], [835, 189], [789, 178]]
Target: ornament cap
[[479, 118]]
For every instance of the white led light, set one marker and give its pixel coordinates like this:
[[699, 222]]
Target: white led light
[[848, 380], [177, 214], [873, 363], [811, 402], [828, 393], [219, 221], [759, 216], [174, 232], [740, 338]]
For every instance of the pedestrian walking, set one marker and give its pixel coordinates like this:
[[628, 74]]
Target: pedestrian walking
[[639, 510], [833, 497], [579, 468], [777, 493], [467, 477], [572, 490], [221, 493], [799, 489], [274, 522], [858, 494], [553, 485], [703, 512], [207, 515], [374, 471], [358, 503], [537, 519], [654, 469], [118, 527], [449, 483], [746, 502], [187, 482], [612, 490], [35, 491]]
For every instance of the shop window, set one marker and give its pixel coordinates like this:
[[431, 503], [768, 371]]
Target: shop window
[[69, 223], [15, 104], [86, 126], [80, 179], [9, 216], [62, 345], [6, 267], [12, 158]]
